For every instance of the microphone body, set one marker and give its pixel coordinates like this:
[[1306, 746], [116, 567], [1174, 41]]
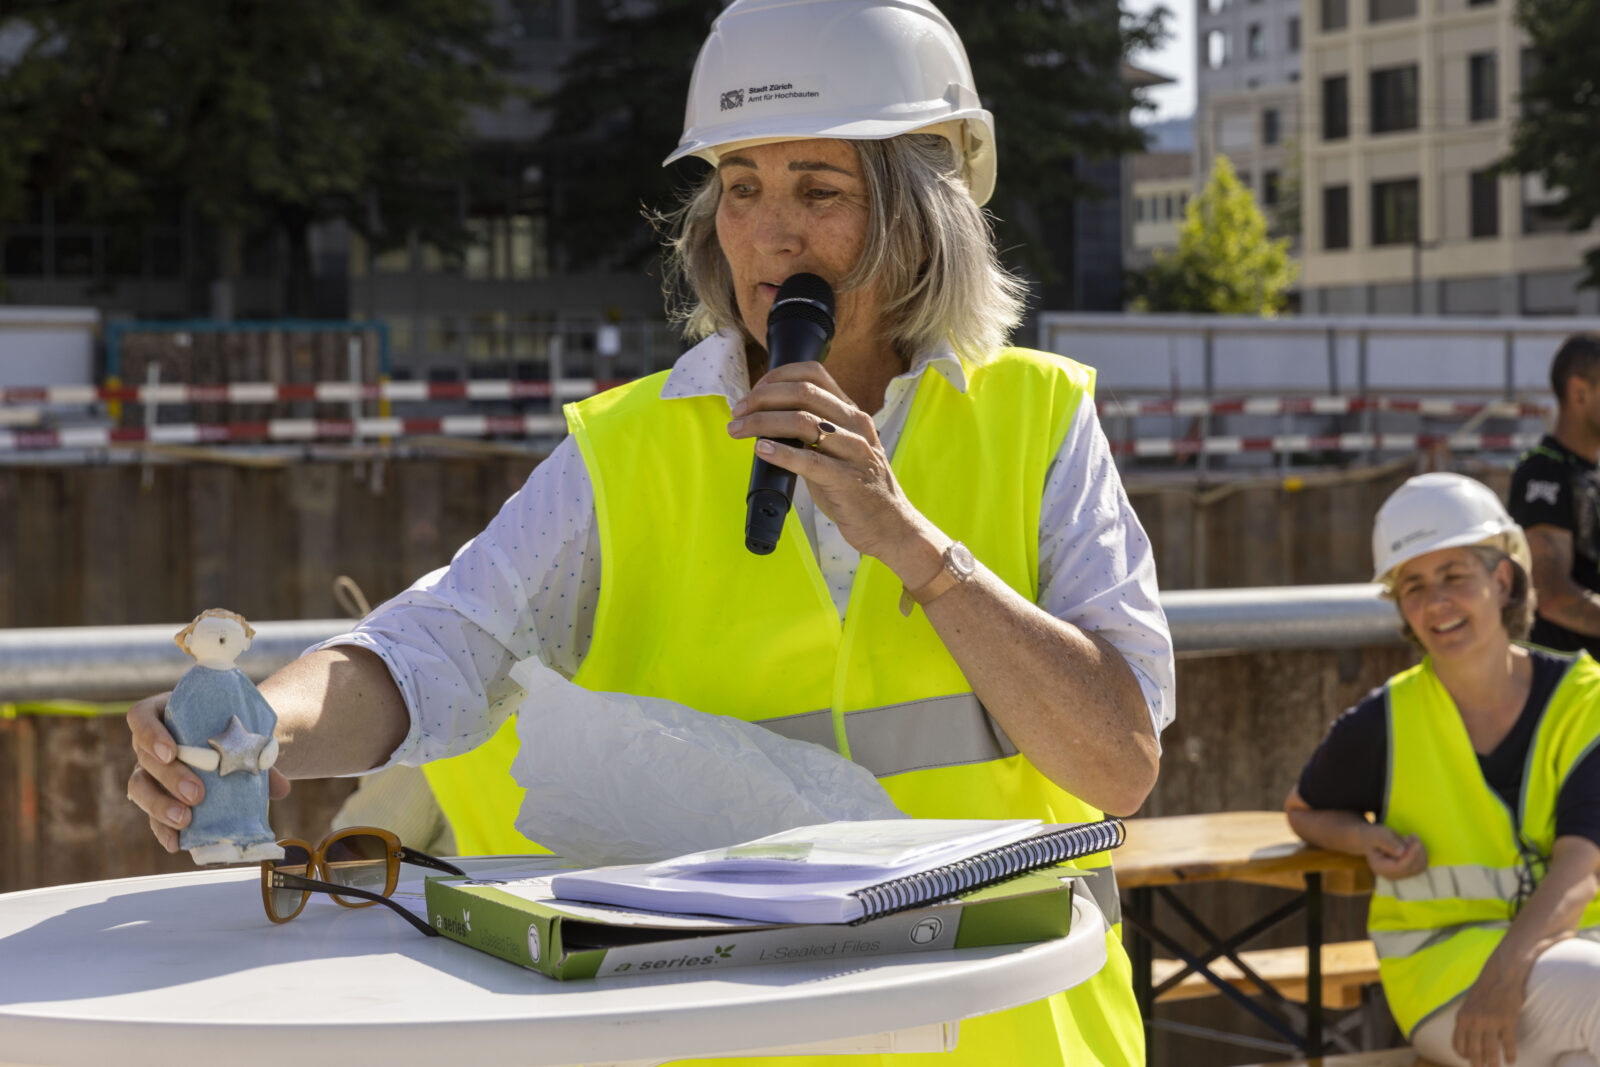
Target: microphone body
[[799, 330]]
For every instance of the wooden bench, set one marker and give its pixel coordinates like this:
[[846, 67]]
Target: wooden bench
[[1347, 966]]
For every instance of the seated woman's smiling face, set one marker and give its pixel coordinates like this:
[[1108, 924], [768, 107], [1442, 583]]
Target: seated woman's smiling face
[[1452, 601]]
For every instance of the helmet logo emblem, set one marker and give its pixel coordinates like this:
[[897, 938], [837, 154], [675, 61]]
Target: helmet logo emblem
[[732, 98], [1415, 535]]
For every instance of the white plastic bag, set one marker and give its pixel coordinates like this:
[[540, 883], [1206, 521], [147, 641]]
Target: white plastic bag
[[614, 778]]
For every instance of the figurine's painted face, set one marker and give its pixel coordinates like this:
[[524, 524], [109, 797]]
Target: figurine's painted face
[[217, 642]]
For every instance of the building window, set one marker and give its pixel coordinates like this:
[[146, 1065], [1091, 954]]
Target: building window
[[1217, 49], [1335, 217], [1527, 67], [1485, 203], [1335, 15], [1385, 10], [1541, 206], [1138, 209], [1183, 204], [1335, 108], [1269, 188], [1394, 212], [1394, 99], [1483, 87], [1269, 126], [1166, 207], [1292, 34], [1255, 42]]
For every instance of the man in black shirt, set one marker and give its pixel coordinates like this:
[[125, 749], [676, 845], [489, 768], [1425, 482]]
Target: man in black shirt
[[1555, 498]]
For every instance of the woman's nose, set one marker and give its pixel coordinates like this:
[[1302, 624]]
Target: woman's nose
[[777, 230]]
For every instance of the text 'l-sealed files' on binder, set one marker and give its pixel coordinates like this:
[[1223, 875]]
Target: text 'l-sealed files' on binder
[[841, 872], [520, 921]]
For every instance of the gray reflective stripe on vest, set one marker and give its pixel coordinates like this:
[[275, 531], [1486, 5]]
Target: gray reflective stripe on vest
[[914, 736], [1102, 886], [1392, 944], [1462, 881]]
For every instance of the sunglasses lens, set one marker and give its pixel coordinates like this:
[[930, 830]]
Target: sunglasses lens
[[285, 902], [360, 861]]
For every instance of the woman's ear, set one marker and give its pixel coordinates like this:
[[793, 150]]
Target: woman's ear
[[1505, 579]]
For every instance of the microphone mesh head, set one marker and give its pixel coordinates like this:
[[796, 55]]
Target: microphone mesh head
[[804, 296]]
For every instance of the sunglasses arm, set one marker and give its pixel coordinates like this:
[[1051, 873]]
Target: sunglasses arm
[[422, 859], [294, 881]]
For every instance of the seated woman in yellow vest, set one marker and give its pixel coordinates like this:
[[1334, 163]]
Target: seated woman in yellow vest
[[1031, 669], [1482, 768]]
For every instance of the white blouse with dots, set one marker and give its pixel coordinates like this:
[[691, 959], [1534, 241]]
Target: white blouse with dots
[[528, 585]]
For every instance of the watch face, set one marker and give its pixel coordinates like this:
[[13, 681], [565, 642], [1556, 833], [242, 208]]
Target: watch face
[[960, 560]]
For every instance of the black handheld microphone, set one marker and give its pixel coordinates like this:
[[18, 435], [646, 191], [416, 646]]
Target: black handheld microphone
[[799, 328]]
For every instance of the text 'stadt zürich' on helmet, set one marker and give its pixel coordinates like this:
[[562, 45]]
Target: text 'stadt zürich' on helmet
[[782, 70], [1442, 510]]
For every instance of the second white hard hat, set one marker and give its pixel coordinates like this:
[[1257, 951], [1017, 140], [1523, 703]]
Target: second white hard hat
[[1442, 510], [782, 70]]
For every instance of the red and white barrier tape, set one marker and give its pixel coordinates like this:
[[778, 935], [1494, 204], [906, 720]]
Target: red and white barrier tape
[[577, 388], [280, 431], [319, 392], [1345, 443], [1318, 405]]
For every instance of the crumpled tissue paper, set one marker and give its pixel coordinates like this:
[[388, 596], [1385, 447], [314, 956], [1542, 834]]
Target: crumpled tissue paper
[[615, 778]]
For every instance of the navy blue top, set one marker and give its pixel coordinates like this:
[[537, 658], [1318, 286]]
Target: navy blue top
[[1349, 770]]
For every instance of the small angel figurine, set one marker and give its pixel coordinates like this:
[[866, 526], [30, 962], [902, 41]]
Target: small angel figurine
[[223, 726]]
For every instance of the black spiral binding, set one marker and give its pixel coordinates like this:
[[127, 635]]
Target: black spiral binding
[[987, 868]]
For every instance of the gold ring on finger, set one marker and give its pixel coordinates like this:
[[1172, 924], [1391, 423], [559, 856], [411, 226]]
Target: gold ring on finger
[[825, 430]]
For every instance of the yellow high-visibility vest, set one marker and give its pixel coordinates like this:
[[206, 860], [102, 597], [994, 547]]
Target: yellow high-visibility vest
[[687, 613], [1435, 931]]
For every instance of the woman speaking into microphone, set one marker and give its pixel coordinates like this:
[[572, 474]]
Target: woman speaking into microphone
[[961, 591]]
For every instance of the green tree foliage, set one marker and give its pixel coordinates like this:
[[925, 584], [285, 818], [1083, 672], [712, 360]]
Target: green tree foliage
[[253, 113], [1558, 134], [1224, 262], [1048, 69], [1285, 220], [616, 115]]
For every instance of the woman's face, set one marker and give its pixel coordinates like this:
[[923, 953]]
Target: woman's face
[[1452, 601], [796, 207]]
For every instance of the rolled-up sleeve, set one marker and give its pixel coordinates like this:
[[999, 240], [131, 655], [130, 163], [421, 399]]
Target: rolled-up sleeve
[[1096, 568], [528, 585]]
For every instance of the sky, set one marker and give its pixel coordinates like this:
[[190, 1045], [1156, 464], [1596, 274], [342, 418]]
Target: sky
[[1175, 59]]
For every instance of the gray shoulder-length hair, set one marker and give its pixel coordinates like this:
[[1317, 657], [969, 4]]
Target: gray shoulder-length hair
[[928, 246]]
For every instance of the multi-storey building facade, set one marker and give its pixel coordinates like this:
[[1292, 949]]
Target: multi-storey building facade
[[1408, 106], [1248, 92], [1162, 185]]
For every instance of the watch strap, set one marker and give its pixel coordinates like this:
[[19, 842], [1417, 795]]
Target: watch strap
[[947, 578]]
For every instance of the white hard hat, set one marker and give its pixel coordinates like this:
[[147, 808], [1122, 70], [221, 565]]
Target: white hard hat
[[784, 70], [1442, 510]]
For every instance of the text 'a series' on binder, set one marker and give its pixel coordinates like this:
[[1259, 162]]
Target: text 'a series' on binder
[[841, 872]]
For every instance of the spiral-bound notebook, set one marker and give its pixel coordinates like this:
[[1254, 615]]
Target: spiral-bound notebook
[[841, 872]]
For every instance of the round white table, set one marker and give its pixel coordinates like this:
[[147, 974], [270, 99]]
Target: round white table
[[152, 971]]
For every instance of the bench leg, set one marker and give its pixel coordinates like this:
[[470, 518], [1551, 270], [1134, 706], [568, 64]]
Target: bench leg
[[1141, 903], [1314, 963]]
